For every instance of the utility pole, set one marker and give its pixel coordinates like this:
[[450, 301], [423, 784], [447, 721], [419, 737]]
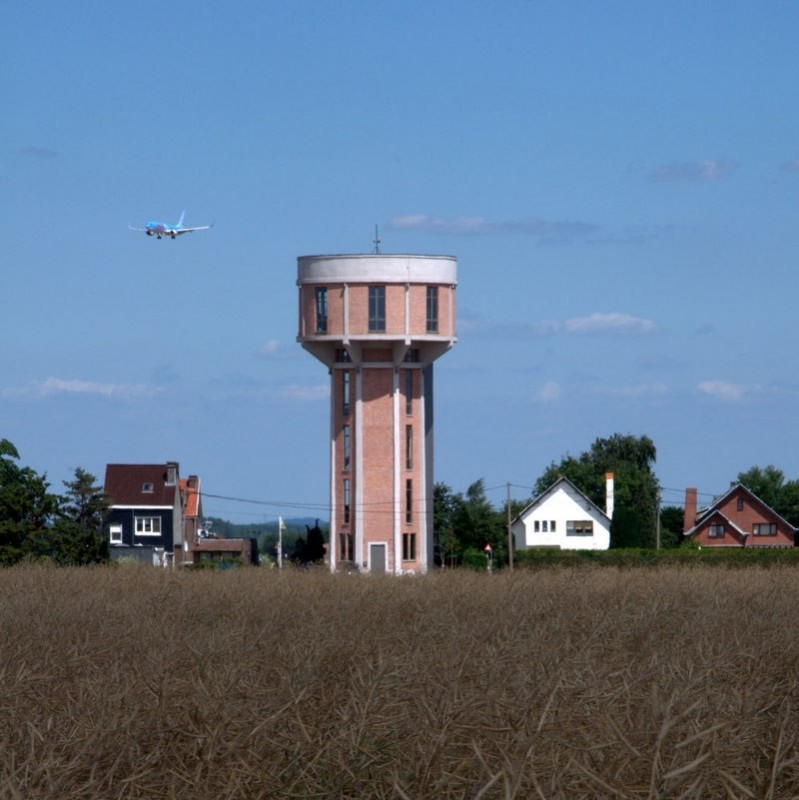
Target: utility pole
[[657, 528], [510, 535], [280, 528]]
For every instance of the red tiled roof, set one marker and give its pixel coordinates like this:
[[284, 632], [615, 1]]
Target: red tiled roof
[[125, 485], [190, 491]]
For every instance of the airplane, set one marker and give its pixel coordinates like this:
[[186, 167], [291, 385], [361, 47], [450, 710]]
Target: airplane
[[159, 229]]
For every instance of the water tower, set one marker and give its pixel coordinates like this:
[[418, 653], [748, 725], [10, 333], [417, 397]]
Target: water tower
[[378, 322]]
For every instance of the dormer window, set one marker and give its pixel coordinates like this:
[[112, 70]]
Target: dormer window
[[147, 488]]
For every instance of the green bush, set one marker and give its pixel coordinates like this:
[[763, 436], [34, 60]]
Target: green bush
[[738, 557]]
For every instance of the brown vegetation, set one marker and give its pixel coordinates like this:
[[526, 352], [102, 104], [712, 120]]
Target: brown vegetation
[[652, 683]]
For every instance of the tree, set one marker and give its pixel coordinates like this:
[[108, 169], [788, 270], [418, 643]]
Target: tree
[[75, 536], [625, 528], [671, 526], [464, 524], [446, 508], [26, 505], [78, 533], [310, 550], [84, 502], [630, 459], [478, 523], [314, 544]]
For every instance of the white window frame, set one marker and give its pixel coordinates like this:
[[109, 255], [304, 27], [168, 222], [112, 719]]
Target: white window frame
[[580, 527], [115, 534], [764, 529], [140, 525]]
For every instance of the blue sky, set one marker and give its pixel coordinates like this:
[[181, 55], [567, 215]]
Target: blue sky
[[619, 183]]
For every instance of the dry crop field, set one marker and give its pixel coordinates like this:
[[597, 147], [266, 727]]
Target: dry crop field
[[649, 683]]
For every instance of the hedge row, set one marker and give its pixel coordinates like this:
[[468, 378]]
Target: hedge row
[[635, 557]]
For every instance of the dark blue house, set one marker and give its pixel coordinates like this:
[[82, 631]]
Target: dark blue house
[[145, 518]]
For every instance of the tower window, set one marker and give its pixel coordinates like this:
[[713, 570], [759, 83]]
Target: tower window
[[345, 393], [377, 308], [432, 309], [409, 447], [409, 547], [346, 447], [408, 392], [346, 501], [321, 309], [409, 501], [345, 549]]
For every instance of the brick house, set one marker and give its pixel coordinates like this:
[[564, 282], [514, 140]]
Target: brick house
[[145, 517], [736, 519], [192, 499]]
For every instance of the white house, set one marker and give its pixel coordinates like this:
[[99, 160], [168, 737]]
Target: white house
[[565, 518]]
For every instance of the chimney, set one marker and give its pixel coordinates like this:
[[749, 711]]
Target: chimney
[[689, 520], [609, 494], [171, 473]]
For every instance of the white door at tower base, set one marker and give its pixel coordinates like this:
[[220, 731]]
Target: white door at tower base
[[377, 558]]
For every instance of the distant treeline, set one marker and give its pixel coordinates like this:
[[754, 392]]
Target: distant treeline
[[267, 535]]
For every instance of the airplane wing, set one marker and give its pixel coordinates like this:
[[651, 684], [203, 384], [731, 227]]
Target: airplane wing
[[179, 231], [140, 230]]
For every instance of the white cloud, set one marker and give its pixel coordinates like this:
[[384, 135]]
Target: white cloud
[[613, 322], [549, 392], [694, 171], [271, 349], [457, 225], [546, 232], [597, 323], [305, 393], [724, 390], [560, 232], [639, 390], [54, 386]]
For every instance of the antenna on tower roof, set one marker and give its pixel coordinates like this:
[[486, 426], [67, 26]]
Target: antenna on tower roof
[[377, 242]]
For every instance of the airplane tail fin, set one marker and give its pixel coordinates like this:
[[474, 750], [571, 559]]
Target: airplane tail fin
[[180, 221]]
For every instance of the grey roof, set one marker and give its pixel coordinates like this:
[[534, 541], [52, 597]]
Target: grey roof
[[541, 497]]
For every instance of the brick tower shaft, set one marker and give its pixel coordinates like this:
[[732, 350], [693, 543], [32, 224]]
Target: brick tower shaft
[[378, 322]]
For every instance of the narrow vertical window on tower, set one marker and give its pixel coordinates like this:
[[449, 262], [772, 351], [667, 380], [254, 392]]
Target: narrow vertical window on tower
[[345, 550], [346, 501], [409, 501], [432, 309], [345, 393], [409, 547], [377, 308], [321, 309], [408, 392], [409, 447], [346, 447]]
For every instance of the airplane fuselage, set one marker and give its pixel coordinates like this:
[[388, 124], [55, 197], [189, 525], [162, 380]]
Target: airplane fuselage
[[161, 229], [158, 229]]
